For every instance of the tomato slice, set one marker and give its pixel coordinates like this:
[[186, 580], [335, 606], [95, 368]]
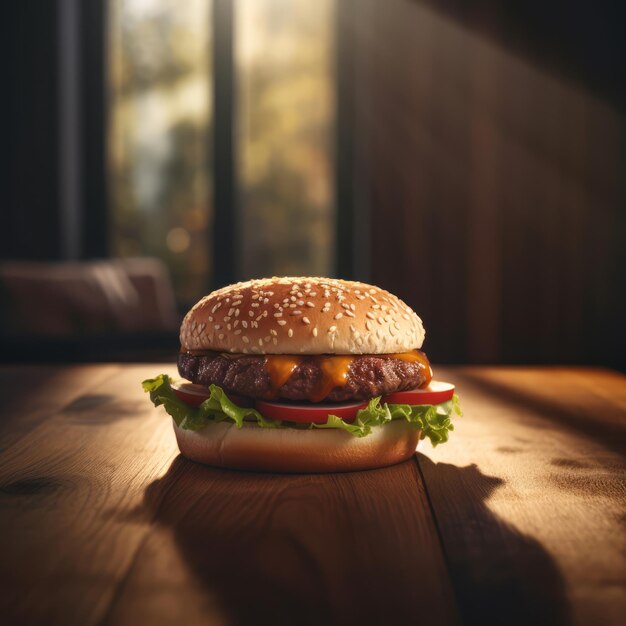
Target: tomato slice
[[436, 393], [308, 413], [195, 395]]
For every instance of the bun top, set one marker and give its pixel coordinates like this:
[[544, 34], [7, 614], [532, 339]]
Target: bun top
[[301, 316]]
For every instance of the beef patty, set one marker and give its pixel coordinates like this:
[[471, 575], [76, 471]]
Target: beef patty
[[367, 376]]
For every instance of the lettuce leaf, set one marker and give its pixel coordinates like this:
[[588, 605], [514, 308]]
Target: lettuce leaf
[[216, 408], [435, 421]]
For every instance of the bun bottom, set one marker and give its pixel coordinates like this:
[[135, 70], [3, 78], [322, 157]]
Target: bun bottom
[[290, 450]]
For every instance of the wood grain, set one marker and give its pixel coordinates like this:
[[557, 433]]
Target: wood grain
[[30, 394], [355, 548], [68, 492], [529, 495], [518, 519], [90, 530]]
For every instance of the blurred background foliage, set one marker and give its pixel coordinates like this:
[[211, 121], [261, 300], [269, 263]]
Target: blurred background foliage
[[161, 132], [284, 52]]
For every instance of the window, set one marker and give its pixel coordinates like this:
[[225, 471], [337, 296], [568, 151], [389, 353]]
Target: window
[[160, 136], [159, 141]]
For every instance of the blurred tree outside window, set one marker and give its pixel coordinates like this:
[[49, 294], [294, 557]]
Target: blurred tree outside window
[[160, 136], [284, 73]]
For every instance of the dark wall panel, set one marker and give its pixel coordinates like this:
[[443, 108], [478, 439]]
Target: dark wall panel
[[30, 211], [496, 187]]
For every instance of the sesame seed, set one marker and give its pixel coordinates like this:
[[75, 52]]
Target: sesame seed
[[290, 332], [350, 314], [345, 306], [245, 339], [235, 323], [296, 313], [370, 315], [314, 332], [273, 332], [405, 316], [376, 306], [332, 329], [254, 324], [266, 339], [254, 349], [237, 332], [275, 341], [265, 300], [313, 294], [260, 341], [220, 336], [380, 319], [300, 302], [210, 318], [229, 326], [278, 314], [217, 326], [368, 325], [255, 304], [231, 311], [251, 313], [306, 320], [338, 316], [372, 290], [310, 304], [226, 318], [282, 322], [293, 298]]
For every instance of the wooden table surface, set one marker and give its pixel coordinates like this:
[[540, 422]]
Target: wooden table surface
[[519, 519]]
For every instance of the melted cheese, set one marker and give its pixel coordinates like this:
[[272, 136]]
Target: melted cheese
[[280, 367], [334, 370]]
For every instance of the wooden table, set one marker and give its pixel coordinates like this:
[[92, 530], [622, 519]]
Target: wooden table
[[519, 519]]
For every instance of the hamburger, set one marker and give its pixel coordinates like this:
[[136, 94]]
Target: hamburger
[[303, 375]]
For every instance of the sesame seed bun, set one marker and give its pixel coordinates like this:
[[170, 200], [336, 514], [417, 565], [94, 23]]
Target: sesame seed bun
[[222, 444], [302, 316]]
